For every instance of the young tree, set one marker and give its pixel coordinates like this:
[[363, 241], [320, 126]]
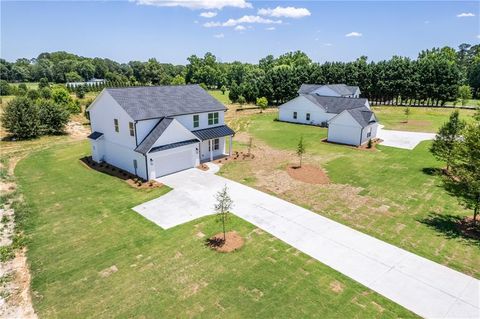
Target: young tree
[[262, 102], [466, 169], [223, 88], [5, 88], [300, 150], [406, 111], [53, 117], [43, 83], [464, 94], [178, 80], [222, 207], [80, 91], [241, 100], [445, 144], [21, 119]]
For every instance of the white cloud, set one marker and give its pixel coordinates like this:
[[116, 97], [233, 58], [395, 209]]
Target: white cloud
[[353, 34], [239, 28], [196, 4], [270, 28], [242, 20], [208, 14], [327, 44], [219, 36], [465, 15], [285, 12], [478, 36]]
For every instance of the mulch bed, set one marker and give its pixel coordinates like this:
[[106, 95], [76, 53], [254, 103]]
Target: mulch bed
[[375, 142], [203, 167], [236, 156], [308, 174], [468, 228], [233, 242], [111, 170]]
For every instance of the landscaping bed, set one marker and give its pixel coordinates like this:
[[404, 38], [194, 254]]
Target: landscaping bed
[[308, 174]]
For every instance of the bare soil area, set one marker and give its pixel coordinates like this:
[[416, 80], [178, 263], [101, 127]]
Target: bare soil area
[[233, 241], [308, 174]]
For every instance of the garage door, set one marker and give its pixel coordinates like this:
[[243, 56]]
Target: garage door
[[174, 161]]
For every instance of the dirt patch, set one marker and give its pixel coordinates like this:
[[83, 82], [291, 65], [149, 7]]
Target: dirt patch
[[108, 271], [129, 178], [77, 130], [418, 123], [7, 187], [233, 241], [470, 229], [308, 174], [236, 156], [336, 286]]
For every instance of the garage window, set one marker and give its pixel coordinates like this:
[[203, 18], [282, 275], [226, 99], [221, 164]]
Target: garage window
[[308, 116], [369, 134], [196, 120], [212, 118], [295, 115], [115, 124], [131, 129]]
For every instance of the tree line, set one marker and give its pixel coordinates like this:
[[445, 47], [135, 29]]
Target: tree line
[[436, 76]]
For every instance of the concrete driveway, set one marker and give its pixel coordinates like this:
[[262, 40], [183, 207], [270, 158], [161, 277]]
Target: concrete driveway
[[402, 139], [420, 285]]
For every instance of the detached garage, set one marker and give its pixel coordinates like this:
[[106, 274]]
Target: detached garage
[[352, 127]]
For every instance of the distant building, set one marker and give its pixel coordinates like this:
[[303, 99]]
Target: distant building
[[89, 82]]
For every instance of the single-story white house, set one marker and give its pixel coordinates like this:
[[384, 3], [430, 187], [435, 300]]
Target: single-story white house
[[157, 130], [336, 106]]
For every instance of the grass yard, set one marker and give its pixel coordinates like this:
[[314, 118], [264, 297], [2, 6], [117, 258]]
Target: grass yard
[[391, 194], [421, 119], [223, 98], [81, 229]]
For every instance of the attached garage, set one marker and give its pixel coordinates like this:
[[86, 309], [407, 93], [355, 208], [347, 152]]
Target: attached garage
[[172, 158]]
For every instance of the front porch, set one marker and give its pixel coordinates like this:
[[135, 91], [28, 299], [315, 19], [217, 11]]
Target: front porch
[[213, 143]]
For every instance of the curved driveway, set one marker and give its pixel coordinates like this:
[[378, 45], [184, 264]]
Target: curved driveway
[[420, 285]]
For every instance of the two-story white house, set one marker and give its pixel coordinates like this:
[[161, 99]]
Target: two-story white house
[[157, 130], [337, 106]]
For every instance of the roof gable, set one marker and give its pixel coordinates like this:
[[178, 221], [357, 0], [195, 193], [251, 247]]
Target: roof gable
[[363, 116], [164, 101], [340, 89], [334, 104]]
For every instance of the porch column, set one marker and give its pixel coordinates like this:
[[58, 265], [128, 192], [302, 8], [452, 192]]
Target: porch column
[[230, 146], [211, 150]]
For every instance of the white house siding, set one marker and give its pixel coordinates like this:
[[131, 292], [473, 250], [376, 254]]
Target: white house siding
[[175, 132], [372, 129], [144, 127], [302, 106], [187, 120], [344, 129], [115, 148], [172, 160]]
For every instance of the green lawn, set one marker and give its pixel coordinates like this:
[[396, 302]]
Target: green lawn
[[421, 119], [223, 98], [391, 194], [80, 223]]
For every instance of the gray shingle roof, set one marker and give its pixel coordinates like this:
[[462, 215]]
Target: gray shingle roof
[[172, 145], [153, 136], [336, 105], [363, 116], [148, 102], [95, 135], [214, 132], [342, 89]]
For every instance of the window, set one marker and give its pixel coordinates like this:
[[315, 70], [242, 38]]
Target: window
[[295, 115], [196, 120], [369, 134], [212, 118], [216, 145], [308, 116], [131, 128], [115, 123]]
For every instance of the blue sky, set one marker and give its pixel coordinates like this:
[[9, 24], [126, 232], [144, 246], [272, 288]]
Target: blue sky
[[171, 30]]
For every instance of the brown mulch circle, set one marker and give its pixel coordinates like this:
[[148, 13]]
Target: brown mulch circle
[[233, 242], [308, 174], [469, 228], [111, 170]]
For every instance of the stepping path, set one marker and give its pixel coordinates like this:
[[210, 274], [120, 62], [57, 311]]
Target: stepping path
[[418, 284]]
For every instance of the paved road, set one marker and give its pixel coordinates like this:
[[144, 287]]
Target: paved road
[[402, 139], [420, 285]]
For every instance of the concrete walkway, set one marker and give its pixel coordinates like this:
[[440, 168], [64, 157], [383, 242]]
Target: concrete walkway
[[402, 139], [420, 285]]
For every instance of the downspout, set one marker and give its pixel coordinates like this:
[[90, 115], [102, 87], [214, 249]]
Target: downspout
[[361, 134], [144, 155]]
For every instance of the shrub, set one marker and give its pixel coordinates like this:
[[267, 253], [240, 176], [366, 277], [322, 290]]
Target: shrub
[[5, 88], [203, 86], [80, 91], [262, 102], [45, 93], [22, 89], [241, 100], [223, 88], [33, 94], [21, 118], [369, 145], [74, 107], [53, 117], [43, 83]]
